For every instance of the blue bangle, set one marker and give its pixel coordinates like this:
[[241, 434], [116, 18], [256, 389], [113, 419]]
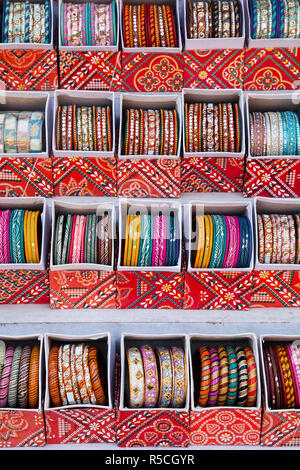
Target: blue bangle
[[291, 133], [5, 21]]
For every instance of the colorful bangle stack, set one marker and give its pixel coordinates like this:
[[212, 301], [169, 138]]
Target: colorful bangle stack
[[149, 25], [225, 375], [19, 236], [282, 368], [274, 19], [151, 132], [156, 377], [83, 239], [151, 240], [26, 22], [213, 19], [278, 238], [222, 241], [19, 375], [88, 24], [76, 375], [211, 127], [21, 131], [84, 128], [274, 133]]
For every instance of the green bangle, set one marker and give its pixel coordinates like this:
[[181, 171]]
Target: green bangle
[[64, 256], [23, 259], [114, 22]]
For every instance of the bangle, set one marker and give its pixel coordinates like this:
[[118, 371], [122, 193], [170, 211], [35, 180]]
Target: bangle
[[166, 377], [33, 382], [5, 376], [23, 377], [205, 376], [12, 400], [151, 376], [136, 378]]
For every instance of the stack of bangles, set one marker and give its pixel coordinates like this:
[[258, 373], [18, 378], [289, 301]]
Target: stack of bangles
[[84, 128], [151, 240], [274, 19], [213, 19], [88, 24], [222, 242], [225, 375], [75, 375], [274, 133], [26, 22], [278, 238], [83, 239], [156, 377], [151, 132], [149, 26], [21, 131], [282, 367], [19, 236], [212, 127], [19, 375]]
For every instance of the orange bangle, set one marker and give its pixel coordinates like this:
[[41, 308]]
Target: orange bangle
[[95, 377], [53, 377], [33, 381]]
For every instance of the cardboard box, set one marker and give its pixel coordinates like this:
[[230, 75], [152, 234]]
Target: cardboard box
[[276, 175], [213, 43], [30, 203], [175, 5], [280, 428], [82, 285], [24, 427], [144, 427], [86, 98], [217, 288], [112, 48], [227, 425], [29, 101], [82, 424]]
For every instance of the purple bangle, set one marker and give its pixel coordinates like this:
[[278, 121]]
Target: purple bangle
[[227, 239], [156, 241], [151, 377], [163, 240], [214, 376], [4, 382]]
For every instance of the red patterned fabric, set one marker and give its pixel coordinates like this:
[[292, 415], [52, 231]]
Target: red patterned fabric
[[272, 178], [82, 289], [272, 69], [276, 289], [225, 427], [214, 69], [26, 177], [90, 70], [218, 290], [24, 287], [80, 426], [152, 72], [91, 176], [28, 70], [150, 289], [208, 174], [149, 178], [22, 429], [152, 428], [280, 428]]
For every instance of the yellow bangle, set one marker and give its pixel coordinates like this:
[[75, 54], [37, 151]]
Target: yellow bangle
[[208, 241], [35, 248], [126, 242], [130, 239], [201, 240], [136, 240], [31, 237]]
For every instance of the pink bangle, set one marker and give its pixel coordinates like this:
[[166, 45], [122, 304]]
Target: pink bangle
[[151, 377], [296, 372], [82, 240], [1, 237], [227, 240], [72, 239], [163, 240], [6, 250], [156, 240]]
